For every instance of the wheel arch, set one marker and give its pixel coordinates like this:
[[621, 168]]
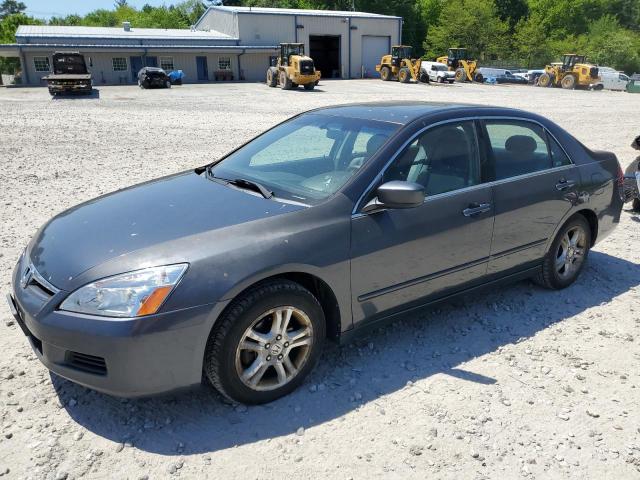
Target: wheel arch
[[316, 285]]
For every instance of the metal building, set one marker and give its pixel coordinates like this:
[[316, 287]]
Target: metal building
[[227, 43]]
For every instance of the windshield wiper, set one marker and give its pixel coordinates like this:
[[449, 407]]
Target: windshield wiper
[[242, 183], [250, 184]]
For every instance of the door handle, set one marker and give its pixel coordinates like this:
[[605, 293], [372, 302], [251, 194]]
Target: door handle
[[564, 184], [476, 209]]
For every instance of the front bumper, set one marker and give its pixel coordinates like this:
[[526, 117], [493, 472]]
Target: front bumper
[[127, 357]]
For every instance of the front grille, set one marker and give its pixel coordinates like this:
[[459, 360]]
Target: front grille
[[306, 67], [87, 363], [32, 279]]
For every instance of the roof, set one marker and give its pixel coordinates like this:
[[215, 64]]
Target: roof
[[12, 49], [53, 31], [404, 113], [299, 11]]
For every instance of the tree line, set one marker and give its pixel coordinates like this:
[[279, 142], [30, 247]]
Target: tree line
[[524, 33]]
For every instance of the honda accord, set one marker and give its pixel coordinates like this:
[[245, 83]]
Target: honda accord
[[333, 221]]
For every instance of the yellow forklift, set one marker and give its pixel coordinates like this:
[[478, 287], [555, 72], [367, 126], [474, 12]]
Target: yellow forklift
[[400, 66], [572, 72], [458, 61], [293, 68]]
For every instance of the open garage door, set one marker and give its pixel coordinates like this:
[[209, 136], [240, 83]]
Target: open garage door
[[325, 51], [373, 48]]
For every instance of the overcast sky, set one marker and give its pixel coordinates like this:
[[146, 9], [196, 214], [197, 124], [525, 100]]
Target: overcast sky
[[60, 8]]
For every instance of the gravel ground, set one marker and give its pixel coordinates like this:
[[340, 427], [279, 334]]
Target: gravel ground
[[520, 383]]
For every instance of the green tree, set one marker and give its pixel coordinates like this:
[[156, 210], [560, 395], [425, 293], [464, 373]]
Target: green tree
[[610, 45], [473, 24], [11, 7]]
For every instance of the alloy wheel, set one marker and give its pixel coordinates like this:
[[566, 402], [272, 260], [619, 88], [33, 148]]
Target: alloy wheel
[[571, 252], [273, 350]]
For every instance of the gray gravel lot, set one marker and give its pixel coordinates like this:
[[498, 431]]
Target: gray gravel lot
[[520, 383]]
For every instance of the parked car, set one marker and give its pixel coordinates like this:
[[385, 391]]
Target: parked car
[[438, 72], [492, 72], [511, 78], [531, 76], [153, 77], [328, 224]]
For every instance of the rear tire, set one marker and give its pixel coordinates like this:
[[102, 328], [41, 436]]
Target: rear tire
[[310, 86], [272, 77], [567, 256], [285, 81], [568, 82], [246, 343], [545, 80], [440, 80], [478, 78], [167, 84], [385, 74]]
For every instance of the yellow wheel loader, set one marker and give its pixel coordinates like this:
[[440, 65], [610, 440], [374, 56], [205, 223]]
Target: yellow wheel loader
[[458, 61], [400, 66], [572, 72], [293, 68]]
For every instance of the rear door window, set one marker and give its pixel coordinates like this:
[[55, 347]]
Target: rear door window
[[517, 148]]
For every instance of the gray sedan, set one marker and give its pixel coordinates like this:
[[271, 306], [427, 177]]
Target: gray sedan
[[329, 223]]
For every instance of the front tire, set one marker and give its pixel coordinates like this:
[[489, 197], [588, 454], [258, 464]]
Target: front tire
[[404, 76], [167, 84], [385, 74], [266, 343], [568, 253], [310, 86], [272, 77], [461, 75]]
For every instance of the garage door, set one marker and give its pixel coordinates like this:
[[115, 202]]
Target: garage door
[[373, 48]]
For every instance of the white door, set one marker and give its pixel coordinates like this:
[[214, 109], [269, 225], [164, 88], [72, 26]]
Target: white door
[[373, 48]]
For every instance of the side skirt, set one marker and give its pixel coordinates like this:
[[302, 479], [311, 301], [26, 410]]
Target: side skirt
[[364, 327]]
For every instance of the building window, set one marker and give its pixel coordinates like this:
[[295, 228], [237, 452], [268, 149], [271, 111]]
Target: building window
[[224, 63], [41, 64], [119, 64], [166, 63]]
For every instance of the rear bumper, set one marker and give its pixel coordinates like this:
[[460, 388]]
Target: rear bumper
[[79, 87], [127, 357], [304, 79]]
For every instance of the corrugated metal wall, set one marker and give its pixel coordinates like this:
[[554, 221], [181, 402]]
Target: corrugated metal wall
[[254, 66], [257, 29], [264, 29]]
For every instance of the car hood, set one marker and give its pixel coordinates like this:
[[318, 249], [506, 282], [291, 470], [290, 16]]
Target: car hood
[[140, 217]]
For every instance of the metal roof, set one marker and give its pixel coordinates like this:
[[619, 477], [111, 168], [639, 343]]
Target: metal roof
[[299, 11], [13, 48], [55, 31]]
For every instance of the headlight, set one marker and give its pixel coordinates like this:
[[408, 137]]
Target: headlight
[[132, 294]]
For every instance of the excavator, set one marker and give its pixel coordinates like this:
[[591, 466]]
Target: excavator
[[400, 66]]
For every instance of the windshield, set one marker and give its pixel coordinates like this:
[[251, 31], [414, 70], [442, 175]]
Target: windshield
[[307, 159], [439, 67]]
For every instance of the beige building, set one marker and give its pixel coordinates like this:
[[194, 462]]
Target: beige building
[[227, 43]]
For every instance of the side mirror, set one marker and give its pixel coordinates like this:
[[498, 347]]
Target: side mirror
[[396, 194]]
